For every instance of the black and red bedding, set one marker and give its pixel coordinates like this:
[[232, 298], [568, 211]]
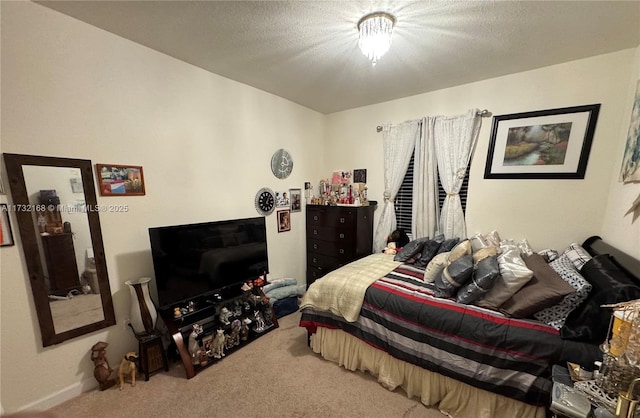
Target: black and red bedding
[[477, 346]]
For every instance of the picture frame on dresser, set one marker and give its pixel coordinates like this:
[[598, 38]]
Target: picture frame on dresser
[[543, 144]]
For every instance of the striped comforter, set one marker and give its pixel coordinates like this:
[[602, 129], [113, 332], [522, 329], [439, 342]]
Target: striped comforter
[[480, 347]]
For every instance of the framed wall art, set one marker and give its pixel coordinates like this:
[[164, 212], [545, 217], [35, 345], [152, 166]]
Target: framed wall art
[[120, 180], [630, 170], [296, 200], [545, 144], [284, 220], [6, 236]]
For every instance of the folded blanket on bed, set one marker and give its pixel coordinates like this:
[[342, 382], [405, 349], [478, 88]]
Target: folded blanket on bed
[[342, 291]]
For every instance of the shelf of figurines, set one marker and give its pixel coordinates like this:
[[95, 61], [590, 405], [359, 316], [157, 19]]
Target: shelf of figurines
[[208, 329]]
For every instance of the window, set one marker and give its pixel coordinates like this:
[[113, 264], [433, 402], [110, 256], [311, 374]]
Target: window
[[404, 198]]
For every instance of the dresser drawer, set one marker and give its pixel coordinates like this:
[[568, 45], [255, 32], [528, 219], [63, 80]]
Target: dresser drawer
[[331, 216], [332, 249], [347, 236], [323, 261]]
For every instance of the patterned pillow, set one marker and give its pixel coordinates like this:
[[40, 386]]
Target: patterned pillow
[[556, 315], [578, 255]]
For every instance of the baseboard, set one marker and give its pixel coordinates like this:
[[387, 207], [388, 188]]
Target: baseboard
[[61, 396]]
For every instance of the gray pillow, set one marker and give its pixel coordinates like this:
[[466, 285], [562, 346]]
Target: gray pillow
[[448, 245], [485, 276], [456, 274], [410, 250], [429, 249]]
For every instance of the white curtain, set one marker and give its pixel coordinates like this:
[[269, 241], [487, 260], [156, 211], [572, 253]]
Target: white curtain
[[455, 139], [398, 142], [424, 211]]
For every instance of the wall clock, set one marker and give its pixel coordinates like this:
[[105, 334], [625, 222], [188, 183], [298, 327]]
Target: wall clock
[[281, 164], [265, 201]]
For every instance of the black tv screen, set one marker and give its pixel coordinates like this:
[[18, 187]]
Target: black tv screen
[[205, 258]]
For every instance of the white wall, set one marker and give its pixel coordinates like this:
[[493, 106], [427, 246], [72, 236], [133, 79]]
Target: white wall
[[205, 142], [548, 213], [620, 228]]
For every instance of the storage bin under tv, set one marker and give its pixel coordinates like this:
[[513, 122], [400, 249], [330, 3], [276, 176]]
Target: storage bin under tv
[[207, 313]]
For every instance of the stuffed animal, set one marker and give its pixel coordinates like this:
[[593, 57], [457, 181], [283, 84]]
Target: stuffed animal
[[218, 344], [400, 237], [391, 248], [244, 329], [128, 368]]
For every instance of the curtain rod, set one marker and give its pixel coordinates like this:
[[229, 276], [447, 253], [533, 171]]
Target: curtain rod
[[484, 113]]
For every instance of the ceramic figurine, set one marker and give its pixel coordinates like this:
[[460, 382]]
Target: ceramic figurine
[[218, 344], [102, 369], [244, 329], [259, 321], [128, 368], [234, 337], [224, 316], [194, 346]]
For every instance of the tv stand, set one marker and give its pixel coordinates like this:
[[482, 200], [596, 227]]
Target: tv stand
[[234, 308]]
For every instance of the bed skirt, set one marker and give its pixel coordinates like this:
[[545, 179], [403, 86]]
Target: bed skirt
[[452, 397]]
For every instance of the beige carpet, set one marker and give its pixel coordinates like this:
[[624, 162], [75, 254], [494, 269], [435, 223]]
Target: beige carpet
[[274, 376]]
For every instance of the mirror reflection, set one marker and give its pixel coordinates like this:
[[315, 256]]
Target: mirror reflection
[[55, 206], [60, 218]]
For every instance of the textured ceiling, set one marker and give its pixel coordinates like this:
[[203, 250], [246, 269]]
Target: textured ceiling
[[306, 51]]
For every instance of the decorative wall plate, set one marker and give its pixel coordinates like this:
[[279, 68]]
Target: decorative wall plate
[[281, 164], [265, 201]]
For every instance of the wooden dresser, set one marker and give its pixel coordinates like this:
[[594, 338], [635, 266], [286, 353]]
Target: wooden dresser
[[60, 256], [337, 235]]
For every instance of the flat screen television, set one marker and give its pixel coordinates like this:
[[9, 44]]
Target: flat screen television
[[206, 258]]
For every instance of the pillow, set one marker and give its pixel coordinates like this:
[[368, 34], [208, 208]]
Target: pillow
[[548, 254], [448, 245], [493, 238], [514, 274], [524, 247], [454, 275], [578, 255], [484, 278], [545, 289], [435, 266], [429, 249], [462, 248], [484, 253], [590, 322], [556, 315], [478, 241], [409, 250]]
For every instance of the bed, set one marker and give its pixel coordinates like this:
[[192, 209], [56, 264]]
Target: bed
[[378, 315]]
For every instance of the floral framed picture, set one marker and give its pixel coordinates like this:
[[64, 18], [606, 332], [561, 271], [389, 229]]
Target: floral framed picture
[[120, 180], [284, 220], [6, 236], [545, 144], [296, 200]]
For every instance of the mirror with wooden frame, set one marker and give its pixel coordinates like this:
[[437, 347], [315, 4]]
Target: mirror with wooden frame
[[54, 200]]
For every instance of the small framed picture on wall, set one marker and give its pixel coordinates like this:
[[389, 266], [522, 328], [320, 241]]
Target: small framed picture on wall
[[296, 200], [284, 220]]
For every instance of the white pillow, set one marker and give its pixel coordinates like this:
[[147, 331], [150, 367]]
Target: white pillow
[[435, 266], [514, 272]]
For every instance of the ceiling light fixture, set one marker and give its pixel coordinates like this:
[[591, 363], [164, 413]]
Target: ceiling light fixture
[[375, 34]]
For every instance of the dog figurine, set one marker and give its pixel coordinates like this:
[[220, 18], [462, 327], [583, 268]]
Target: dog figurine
[[128, 368]]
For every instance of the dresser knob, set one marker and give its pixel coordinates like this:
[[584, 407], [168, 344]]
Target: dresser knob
[[315, 246], [315, 217], [341, 220], [315, 260], [341, 235], [315, 232], [341, 251]]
